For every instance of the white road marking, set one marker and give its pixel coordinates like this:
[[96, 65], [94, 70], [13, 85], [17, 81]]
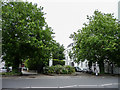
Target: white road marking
[[68, 86], [44, 87], [109, 84], [77, 86], [40, 87], [87, 85]]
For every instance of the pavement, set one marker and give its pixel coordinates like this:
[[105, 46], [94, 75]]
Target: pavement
[[29, 72], [35, 75]]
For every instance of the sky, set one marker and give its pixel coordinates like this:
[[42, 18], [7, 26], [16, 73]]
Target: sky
[[67, 16]]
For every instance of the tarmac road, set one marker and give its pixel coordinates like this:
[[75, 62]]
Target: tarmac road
[[62, 82]]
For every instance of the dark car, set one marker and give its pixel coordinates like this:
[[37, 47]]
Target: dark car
[[77, 69], [87, 71], [90, 71]]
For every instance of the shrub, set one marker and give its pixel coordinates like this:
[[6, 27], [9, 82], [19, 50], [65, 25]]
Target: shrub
[[58, 69], [29, 63], [70, 69], [45, 69], [51, 69], [64, 71], [58, 62], [12, 73]]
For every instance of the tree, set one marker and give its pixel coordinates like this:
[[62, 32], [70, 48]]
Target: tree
[[26, 35], [98, 40], [58, 51]]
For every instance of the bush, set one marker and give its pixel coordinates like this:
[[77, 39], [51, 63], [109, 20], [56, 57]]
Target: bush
[[32, 64], [58, 62], [64, 71], [70, 69], [29, 63], [51, 69], [12, 73], [58, 69]]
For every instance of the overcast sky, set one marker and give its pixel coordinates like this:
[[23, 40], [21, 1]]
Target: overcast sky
[[67, 16]]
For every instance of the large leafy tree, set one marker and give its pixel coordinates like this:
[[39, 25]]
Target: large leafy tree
[[26, 35], [58, 51], [98, 40]]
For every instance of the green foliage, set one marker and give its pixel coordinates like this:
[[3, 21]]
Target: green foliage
[[12, 73], [58, 62], [31, 64], [98, 40], [58, 51], [26, 35], [58, 69], [70, 69]]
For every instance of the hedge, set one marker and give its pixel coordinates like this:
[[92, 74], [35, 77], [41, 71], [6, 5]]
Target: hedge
[[58, 62], [59, 69]]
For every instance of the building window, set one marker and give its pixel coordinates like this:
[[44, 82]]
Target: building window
[[86, 64]]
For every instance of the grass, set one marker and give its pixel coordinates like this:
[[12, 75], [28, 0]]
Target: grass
[[11, 73]]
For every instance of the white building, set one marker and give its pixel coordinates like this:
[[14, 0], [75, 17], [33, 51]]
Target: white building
[[82, 65], [67, 58], [2, 64]]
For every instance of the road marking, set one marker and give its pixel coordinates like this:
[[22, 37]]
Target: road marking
[[87, 85], [109, 84], [40, 87], [78, 86], [68, 86]]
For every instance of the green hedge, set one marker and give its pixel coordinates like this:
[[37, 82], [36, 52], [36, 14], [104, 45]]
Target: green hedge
[[58, 62], [59, 69]]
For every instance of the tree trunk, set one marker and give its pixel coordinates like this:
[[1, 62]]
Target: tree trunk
[[111, 68], [90, 65], [15, 66], [40, 68], [101, 66], [108, 67]]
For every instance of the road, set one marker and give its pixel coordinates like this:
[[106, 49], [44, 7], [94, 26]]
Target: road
[[62, 82]]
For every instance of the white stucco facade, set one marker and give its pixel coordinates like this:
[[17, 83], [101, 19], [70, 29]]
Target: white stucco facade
[[2, 64], [50, 62], [68, 61]]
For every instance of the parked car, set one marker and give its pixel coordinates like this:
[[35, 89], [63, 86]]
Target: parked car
[[85, 70], [90, 71], [5, 69], [24, 68], [77, 69], [10, 69]]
